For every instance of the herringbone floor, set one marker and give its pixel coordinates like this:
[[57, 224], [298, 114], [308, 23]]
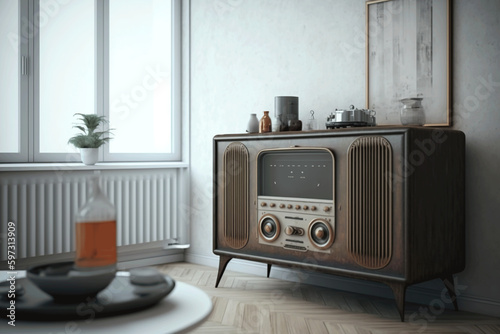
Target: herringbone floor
[[253, 304]]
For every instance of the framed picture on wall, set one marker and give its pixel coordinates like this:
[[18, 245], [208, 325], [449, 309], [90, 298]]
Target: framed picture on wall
[[408, 45]]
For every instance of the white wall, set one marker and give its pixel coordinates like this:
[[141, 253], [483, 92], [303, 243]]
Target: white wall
[[245, 52]]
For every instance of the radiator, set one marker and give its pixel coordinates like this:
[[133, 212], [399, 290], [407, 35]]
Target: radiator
[[149, 207]]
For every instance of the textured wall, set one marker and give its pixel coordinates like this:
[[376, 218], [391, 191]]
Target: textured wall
[[245, 52]]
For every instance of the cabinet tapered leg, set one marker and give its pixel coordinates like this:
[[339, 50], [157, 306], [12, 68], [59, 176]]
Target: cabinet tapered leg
[[268, 269], [450, 285], [223, 261], [399, 291]]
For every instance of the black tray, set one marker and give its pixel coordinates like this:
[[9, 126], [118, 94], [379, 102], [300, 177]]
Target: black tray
[[119, 297]]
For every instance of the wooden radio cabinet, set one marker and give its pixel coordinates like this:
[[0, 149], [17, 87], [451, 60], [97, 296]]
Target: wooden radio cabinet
[[379, 203]]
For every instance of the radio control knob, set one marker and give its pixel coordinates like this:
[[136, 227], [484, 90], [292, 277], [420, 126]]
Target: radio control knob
[[263, 204], [289, 206], [272, 205], [305, 207], [268, 227], [319, 232], [297, 207], [292, 230], [313, 208], [282, 206], [326, 208]]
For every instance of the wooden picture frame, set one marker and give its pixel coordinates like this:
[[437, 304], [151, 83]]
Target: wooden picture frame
[[408, 54]]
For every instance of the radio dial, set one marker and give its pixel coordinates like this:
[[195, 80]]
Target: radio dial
[[297, 207], [305, 207], [289, 206], [282, 206], [326, 208], [313, 208], [272, 205], [263, 204]]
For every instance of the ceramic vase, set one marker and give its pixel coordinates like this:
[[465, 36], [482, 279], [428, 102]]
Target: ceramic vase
[[253, 124], [89, 156]]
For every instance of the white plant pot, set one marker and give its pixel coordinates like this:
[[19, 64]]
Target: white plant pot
[[89, 155]]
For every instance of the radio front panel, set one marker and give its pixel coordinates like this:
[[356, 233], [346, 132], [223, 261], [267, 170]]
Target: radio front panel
[[296, 206]]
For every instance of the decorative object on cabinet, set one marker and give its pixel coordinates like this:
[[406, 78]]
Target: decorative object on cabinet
[[287, 109], [253, 124], [342, 118], [265, 123], [412, 112], [311, 124]]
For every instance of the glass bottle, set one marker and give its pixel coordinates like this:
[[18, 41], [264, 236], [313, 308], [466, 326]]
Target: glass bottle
[[276, 123], [311, 122], [95, 230], [412, 112], [265, 123]]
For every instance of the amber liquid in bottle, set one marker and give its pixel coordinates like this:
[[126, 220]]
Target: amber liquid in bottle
[[95, 244]]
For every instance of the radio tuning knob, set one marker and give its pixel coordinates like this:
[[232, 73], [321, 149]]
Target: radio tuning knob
[[289, 206], [292, 230], [313, 208], [319, 232], [272, 205], [305, 207], [263, 204], [268, 227], [297, 207], [326, 208], [282, 206]]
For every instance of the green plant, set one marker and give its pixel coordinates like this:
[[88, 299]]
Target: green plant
[[90, 138]]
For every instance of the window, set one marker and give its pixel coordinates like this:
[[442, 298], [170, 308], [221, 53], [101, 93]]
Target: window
[[117, 58]]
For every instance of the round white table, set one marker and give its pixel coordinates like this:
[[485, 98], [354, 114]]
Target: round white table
[[182, 310]]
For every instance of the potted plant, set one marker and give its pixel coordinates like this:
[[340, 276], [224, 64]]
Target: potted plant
[[90, 140]]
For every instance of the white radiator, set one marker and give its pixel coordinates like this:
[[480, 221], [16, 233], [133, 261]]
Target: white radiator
[[149, 205]]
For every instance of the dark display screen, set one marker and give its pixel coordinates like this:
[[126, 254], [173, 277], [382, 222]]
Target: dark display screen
[[296, 173]]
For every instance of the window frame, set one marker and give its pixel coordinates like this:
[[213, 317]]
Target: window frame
[[28, 105], [24, 108]]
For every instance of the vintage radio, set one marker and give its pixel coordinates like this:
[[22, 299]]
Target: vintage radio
[[380, 203]]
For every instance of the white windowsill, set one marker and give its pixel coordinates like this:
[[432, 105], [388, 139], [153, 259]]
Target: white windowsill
[[21, 167]]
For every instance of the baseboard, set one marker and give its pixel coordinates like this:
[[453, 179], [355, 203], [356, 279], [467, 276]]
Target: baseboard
[[428, 294], [151, 261]]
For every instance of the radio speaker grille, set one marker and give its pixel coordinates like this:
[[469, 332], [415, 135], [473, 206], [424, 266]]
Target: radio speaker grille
[[370, 202], [236, 195]]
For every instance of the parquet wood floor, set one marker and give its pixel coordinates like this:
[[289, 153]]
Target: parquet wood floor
[[253, 304]]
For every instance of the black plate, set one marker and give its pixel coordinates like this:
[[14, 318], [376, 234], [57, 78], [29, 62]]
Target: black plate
[[121, 296]]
